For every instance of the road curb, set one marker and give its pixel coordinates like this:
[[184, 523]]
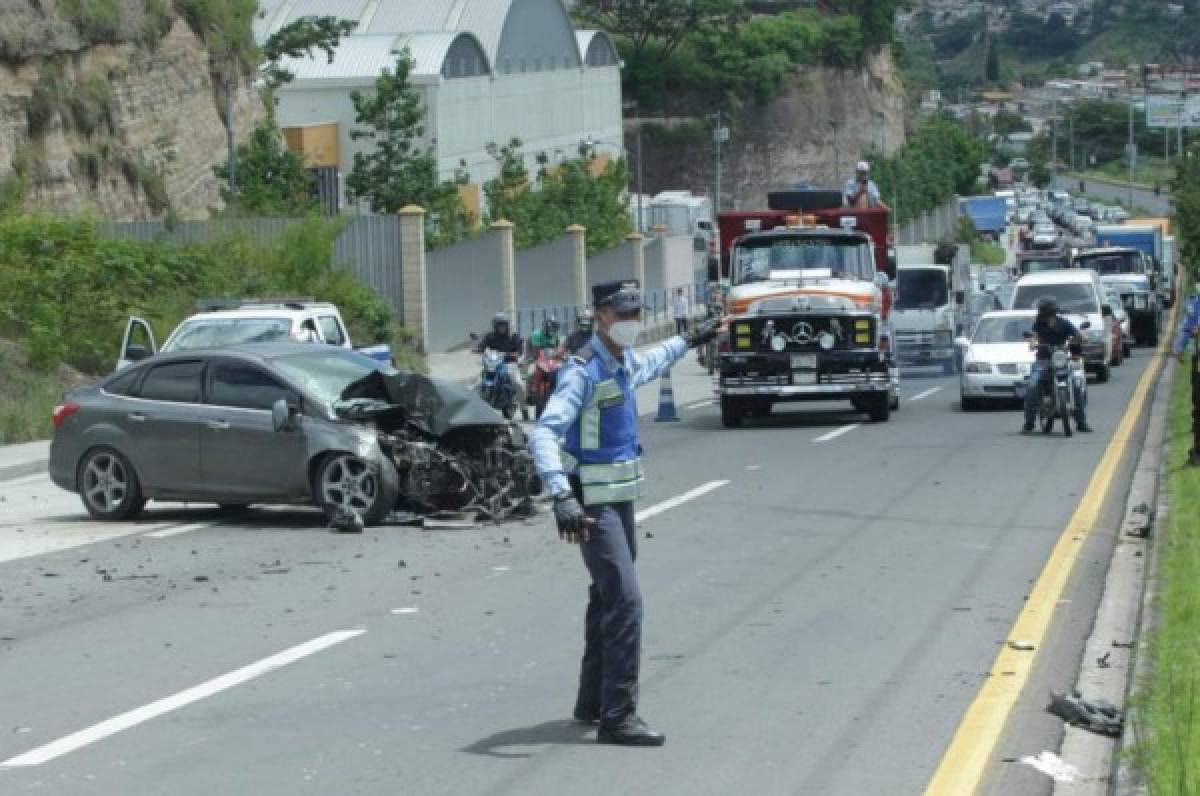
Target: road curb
[[10, 472], [1112, 651]]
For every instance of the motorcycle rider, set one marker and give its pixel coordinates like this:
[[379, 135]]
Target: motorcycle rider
[[507, 342], [1052, 330], [545, 336], [582, 334]]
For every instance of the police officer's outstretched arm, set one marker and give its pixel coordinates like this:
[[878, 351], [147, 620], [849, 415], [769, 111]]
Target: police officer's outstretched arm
[[562, 408]]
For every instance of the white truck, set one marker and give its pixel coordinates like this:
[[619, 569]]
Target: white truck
[[223, 322], [925, 316], [683, 213]]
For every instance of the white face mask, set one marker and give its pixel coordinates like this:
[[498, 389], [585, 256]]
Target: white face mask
[[625, 333]]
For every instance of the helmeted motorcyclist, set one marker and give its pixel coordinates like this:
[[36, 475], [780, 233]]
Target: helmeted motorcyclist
[[1050, 329], [582, 333], [501, 338], [545, 336]]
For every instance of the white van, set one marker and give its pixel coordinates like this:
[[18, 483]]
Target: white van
[[1080, 295]]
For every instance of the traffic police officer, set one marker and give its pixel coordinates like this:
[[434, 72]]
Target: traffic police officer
[[594, 478], [1187, 332]]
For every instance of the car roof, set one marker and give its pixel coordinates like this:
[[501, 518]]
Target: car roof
[[1008, 314], [1057, 277], [260, 311], [1099, 250], [256, 352]]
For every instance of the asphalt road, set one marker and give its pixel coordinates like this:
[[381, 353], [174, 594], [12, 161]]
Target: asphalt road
[[823, 598], [1112, 192]]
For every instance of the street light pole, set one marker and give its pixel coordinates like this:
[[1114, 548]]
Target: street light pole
[[720, 136], [1132, 153], [837, 162]]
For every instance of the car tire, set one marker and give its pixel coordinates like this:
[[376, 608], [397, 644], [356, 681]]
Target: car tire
[[894, 403], [343, 481], [732, 412], [969, 403], [1102, 373], [1126, 350], [109, 486], [878, 408]]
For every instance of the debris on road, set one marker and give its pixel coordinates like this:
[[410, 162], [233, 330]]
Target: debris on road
[[1096, 715], [1020, 645], [346, 521], [1052, 766]]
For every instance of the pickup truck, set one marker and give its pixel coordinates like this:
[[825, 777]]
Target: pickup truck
[[222, 322]]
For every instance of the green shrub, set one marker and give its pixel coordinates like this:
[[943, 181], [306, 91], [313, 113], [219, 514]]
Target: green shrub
[[65, 291], [89, 164], [47, 99], [90, 105], [226, 26], [95, 20], [150, 178]]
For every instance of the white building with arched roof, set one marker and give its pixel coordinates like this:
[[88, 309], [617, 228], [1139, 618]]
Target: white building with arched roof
[[487, 70]]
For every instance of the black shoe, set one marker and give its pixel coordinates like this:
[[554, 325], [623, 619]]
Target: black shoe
[[1084, 428], [631, 731], [1027, 428], [586, 715]]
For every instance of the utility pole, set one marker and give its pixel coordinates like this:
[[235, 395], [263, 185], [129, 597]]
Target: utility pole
[[230, 68], [837, 161], [720, 136], [1132, 153], [1054, 138], [633, 107]]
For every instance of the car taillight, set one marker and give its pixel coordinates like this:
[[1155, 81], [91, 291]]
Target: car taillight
[[62, 412]]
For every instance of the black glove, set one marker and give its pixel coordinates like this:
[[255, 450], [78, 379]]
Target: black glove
[[702, 333], [569, 517]]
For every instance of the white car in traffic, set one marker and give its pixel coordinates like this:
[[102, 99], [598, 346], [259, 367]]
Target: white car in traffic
[[996, 359]]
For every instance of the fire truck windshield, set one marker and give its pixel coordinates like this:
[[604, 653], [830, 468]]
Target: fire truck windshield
[[783, 257]]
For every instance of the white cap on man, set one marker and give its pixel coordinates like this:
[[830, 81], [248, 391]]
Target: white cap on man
[[863, 166]]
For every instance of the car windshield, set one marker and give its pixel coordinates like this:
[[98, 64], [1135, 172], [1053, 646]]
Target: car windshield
[[920, 289], [1076, 297], [1001, 330], [762, 259], [217, 332], [1032, 266], [326, 372], [1120, 263]]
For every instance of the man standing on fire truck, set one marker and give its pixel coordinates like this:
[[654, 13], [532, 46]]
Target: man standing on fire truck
[[594, 479]]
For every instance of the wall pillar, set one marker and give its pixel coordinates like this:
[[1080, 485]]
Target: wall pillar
[[579, 262], [660, 230], [638, 251], [412, 275], [508, 266]]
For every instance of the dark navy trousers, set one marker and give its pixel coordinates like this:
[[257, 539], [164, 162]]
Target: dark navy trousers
[[608, 678]]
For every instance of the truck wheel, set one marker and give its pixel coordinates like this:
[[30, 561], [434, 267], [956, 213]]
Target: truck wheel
[[731, 412], [878, 408], [1152, 336], [1102, 373]]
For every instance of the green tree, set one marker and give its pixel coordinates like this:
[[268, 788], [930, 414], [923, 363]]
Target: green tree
[[271, 181], [581, 190], [876, 20], [1008, 122], [301, 37], [1186, 191], [656, 29], [397, 170]]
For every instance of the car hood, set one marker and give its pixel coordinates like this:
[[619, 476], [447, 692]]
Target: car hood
[[438, 406], [996, 353]]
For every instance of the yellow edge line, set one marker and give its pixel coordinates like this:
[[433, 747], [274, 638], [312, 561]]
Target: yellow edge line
[[962, 767]]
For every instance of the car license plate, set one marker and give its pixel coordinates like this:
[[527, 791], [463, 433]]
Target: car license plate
[[804, 361], [804, 377]]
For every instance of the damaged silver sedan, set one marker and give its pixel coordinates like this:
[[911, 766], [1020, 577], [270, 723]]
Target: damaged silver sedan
[[285, 423]]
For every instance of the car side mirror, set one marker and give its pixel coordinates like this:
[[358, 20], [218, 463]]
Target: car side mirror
[[136, 353], [1106, 311], [283, 416], [1028, 335]]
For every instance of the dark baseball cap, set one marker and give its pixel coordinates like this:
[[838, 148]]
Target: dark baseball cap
[[623, 296]]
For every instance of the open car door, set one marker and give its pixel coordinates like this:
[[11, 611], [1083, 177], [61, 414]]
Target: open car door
[[137, 344]]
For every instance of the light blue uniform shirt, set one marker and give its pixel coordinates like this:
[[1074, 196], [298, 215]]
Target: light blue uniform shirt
[[851, 188], [572, 394], [1191, 320]]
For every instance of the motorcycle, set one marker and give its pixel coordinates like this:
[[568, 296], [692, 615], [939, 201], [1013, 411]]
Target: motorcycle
[[1059, 376], [545, 373], [495, 384], [706, 355]]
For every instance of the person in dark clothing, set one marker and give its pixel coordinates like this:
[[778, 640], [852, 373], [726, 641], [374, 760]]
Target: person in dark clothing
[[1051, 330], [582, 333], [507, 342]]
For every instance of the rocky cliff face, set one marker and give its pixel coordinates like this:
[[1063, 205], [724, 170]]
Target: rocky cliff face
[[787, 140], [127, 129]]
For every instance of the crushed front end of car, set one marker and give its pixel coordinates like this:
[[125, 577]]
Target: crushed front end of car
[[451, 450]]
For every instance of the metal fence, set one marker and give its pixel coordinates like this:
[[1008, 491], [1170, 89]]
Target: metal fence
[[937, 225], [369, 245]]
